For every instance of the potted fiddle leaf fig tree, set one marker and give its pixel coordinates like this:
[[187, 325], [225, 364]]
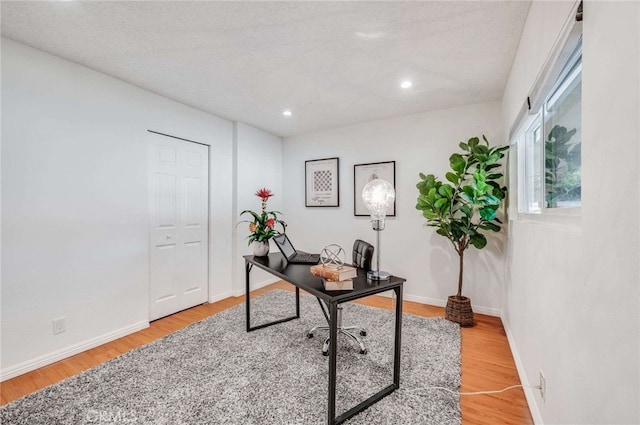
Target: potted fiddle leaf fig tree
[[465, 207]]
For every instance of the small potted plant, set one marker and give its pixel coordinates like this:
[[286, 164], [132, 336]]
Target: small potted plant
[[465, 207], [263, 226]]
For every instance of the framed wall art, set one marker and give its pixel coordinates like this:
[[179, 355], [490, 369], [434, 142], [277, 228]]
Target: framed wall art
[[321, 183], [363, 174]]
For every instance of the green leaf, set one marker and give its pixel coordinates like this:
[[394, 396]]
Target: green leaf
[[464, 146], [456, 231], [494, 176], [490, 226], [255, 216], [494, 157], [446, 190], [429, 214], [432, 195], [480, 175], [487, 213], [453, 178], [478, 240], [480, 186], [466, 210], [440, 202], [457, 163], [422, 203], [498, 193], [445, 209], [467, 231], [473, 142], [482, 149], [442, 232], [468, 199], [491, 200]]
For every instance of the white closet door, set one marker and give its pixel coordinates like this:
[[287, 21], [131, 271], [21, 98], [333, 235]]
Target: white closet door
[[179, 185]]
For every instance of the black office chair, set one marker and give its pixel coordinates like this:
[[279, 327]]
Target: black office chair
[[362, 257]]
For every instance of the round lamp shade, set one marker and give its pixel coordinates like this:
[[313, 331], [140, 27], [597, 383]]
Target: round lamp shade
[[378, 195]]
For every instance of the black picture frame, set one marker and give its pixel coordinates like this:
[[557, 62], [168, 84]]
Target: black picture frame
[[322, 182], [362, 174]]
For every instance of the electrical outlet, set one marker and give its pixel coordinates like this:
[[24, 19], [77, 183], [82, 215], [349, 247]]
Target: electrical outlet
[[59, 325], [543, 386]]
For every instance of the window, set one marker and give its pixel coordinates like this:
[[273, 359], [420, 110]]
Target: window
[[549, 143], [533, 166], [562, 124]]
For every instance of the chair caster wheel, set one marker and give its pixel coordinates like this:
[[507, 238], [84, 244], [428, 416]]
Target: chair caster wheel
[[363, 333], [309, 335], [363, 351], [325, 353]]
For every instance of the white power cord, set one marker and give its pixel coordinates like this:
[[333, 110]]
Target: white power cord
[[475, 392], [393, 296]]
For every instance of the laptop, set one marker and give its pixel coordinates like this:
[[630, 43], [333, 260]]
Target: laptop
[[290, 253]]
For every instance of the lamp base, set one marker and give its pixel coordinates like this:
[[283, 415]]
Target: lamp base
[[378, 275]]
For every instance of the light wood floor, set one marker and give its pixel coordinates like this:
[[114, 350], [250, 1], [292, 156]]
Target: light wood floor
[[487, 363]]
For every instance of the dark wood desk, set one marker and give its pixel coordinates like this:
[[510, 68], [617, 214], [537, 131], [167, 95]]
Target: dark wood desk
[[299, 276]]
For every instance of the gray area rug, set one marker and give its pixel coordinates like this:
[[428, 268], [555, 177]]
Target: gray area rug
[[214, 372]]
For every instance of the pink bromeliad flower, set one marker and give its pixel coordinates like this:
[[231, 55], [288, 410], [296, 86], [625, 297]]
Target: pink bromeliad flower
[[264, 193]]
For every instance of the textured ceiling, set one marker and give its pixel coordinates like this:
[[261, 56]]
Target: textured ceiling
[[331, 63]]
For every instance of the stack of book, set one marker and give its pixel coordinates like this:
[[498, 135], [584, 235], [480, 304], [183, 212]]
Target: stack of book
[[334, 278]]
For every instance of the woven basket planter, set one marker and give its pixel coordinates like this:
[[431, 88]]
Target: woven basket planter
[[459, 310]]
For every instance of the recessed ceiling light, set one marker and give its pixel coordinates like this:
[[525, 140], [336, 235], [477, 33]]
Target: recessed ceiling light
[[287, 113], [406, 84], [370, 35]]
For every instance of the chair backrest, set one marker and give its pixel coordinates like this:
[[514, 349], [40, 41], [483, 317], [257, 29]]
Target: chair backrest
[[362, 254]]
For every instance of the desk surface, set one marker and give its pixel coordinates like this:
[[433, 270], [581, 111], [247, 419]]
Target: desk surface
[[299, 275]]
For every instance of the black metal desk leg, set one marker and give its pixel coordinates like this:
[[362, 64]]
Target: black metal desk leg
[[297, 302], [247, 267], [397, 350], [333, 350]]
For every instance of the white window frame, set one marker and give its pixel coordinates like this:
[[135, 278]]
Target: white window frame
[[557, 74]]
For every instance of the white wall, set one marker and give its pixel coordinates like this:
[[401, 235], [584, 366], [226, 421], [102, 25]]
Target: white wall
[[572, 297], [418, 143], [75, 212], [259, 164]]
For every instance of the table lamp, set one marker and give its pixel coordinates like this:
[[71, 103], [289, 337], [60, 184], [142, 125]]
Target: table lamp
[[378, 195]]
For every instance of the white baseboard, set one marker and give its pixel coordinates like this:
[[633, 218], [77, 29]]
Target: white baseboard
[[529, 392], [256, 285], [442, 303], [220, 297], [47, 359]]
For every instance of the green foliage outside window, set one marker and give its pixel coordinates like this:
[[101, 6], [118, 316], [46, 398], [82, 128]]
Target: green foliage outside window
[[562, 167]]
